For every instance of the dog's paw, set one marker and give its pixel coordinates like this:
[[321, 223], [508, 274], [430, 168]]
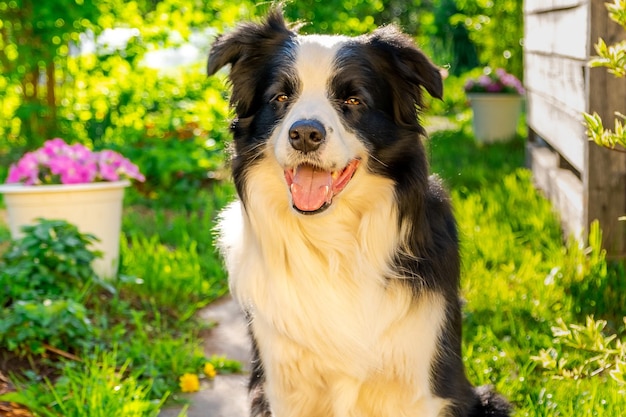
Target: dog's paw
[[259, 407], [490, 403]]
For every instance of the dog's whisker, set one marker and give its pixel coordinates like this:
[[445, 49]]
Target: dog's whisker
[[378, 160]]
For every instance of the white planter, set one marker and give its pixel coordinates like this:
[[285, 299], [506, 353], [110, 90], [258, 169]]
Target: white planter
[[495, 116], [94, 208]]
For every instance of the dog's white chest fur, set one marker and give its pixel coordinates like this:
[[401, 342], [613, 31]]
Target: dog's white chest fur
[[337, 333]]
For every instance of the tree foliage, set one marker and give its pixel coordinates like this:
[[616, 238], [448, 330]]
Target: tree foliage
[[462, 34], [173, 122], [496, 29], [34, 40]]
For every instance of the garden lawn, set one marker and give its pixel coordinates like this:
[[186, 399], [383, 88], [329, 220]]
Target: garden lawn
[[528, 295], [528, 300]]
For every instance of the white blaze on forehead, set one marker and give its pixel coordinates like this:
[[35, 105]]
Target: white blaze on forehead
[[314, 60]]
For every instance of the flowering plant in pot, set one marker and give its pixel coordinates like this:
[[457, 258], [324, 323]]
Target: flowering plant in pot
[[57, 162], [72, 183], [496, 101], [498, 81]]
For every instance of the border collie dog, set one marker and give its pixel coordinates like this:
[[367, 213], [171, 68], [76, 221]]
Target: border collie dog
[[341, 249]]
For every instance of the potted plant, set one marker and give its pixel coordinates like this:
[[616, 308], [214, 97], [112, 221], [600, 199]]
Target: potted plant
[[496, 101], [72, 183]]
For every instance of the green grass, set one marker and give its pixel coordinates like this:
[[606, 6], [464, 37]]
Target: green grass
[[529, 298], [97, 388], [520, 281]]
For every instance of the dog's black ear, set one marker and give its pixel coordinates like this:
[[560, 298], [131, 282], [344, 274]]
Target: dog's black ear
[[411, 70], [409, 59], [241, 43], [247, 50]]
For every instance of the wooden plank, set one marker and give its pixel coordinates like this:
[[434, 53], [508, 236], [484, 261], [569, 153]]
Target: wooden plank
[[561, 186], [559, 126], [543, 6], [561, 78], [605, 177], [542, 162], [568, 199], [562, 32]]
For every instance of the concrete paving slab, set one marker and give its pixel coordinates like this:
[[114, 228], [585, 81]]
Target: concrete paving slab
[[227, 396]]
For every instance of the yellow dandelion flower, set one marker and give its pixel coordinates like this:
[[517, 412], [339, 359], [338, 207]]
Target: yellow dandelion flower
[[189, 383], [209, 370]]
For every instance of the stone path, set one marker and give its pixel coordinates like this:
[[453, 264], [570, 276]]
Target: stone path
[[228, 395]]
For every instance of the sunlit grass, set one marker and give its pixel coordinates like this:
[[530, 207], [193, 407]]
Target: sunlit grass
[[520, 276], [98, 387]]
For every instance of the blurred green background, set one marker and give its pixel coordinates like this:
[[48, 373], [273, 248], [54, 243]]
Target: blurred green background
[[130, 75]]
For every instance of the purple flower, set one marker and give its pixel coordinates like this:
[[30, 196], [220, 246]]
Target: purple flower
[[56, 162], [493, 88], [484, 81], [498, 81]]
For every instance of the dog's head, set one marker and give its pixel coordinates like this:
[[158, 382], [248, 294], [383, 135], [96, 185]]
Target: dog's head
[[324, 107]]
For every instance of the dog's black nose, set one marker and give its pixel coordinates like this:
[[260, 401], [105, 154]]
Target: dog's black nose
[[307, 135]]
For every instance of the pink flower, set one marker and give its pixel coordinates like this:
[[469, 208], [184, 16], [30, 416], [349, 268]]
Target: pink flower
[[113, 165], [130, 170], [469, 85], [493, 88], [80, 152], [108, 172], [54, 146], [56, 162], [74, 171], [498, 81], [26, 170]]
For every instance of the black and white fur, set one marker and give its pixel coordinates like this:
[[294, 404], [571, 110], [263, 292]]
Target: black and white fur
[[341, 249]]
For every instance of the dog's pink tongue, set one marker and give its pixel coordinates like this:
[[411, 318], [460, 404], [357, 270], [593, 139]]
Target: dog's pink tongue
[[311, 188]]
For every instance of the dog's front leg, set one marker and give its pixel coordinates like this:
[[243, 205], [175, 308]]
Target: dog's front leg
[[259, 405]]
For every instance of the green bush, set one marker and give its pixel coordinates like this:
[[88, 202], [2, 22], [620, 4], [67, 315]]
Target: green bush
[[44, 279], [35, 326], [51, 259]]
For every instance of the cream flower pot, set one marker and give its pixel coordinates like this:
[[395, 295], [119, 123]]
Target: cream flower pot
[[495, 116], [94, 208]]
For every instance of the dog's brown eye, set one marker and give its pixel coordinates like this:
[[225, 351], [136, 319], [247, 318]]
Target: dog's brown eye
[[352, 101], [281, 98]]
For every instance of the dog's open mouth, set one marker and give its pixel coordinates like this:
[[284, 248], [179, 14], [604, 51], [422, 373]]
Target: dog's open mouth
[[312, 189]]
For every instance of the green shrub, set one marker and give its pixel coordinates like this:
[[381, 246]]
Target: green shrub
[[34, 326], [44, 279], [52, 259]]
